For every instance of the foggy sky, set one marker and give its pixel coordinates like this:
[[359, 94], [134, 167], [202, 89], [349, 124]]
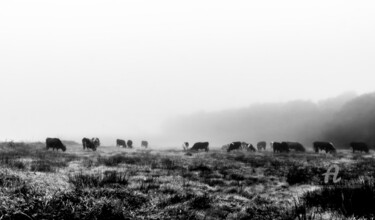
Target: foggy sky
[[85, 68]]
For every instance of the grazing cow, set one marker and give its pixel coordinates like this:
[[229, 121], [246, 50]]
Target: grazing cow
[[326, 146], [359, 146], [237, 145], [55, 143], [280, 147], [129, 143], [144, 144], [249, 147], [200, 146], [96, 141], [185, 146], [120, 143], [295, 146], [261, 145], [89, 144]]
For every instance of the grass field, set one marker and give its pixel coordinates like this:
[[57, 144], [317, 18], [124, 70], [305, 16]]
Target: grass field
[[117, 183]]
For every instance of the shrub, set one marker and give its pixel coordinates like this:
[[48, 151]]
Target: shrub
[[300, 174], [268, 212], [175, 199], [353, 198], [101, 203], [149, 184], [112, 160], [9, 180], [201, 202], [117, 159], [200, 167], [168, 164], [12, 162], [42, 166], [98, 180]]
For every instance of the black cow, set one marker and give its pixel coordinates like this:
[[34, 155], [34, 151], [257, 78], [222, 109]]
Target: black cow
[[89, 144], [144, 144], [185, 146], [200, 146], [237, 145], [359, 146], [120, 142], [326, 146], [129, 143], [55, 143], [280, 147], [295, 146], [96, 141], [261, 145]]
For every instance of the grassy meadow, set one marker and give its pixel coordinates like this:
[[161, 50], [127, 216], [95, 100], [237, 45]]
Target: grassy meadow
[[118, 183]]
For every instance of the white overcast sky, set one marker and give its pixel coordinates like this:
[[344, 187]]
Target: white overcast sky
[[121, 67]]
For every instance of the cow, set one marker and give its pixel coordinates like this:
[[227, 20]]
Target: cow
[[261, 145], [129, 143], [144, 144], [249, 147], [55, 143], [89, 144], [200, 146], [185, 146], [326, 146], [280, 147], [237, 145], [96, 141], [295, 146], [359, 146], [120, 142]]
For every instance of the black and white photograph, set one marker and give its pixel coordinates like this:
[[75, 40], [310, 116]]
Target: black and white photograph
[[196, 110]]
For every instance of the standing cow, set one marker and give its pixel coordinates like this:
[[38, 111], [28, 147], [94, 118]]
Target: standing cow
[[200, 146], [326, 146], [88, 144], [359, 146], [55, 143], [237, 145], [261, 145], [280, 147], [250, 147], [120, 142], [295, 146], [129, 143], [96, 141], [144, 144]]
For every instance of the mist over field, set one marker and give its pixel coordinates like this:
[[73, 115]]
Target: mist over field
[[340, 119]]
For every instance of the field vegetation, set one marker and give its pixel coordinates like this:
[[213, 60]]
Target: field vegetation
[[117, 183]]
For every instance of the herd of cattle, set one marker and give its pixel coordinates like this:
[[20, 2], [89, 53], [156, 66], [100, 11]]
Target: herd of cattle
[[87, 143], [280, 147]]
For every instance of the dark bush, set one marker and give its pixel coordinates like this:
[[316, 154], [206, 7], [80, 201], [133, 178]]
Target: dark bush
[[200, 167], [98, 180], [350, 198], [42, 166], [269, 212], [117, 159], [300, 174], [201, 202], [168, 164], [177, 198]]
